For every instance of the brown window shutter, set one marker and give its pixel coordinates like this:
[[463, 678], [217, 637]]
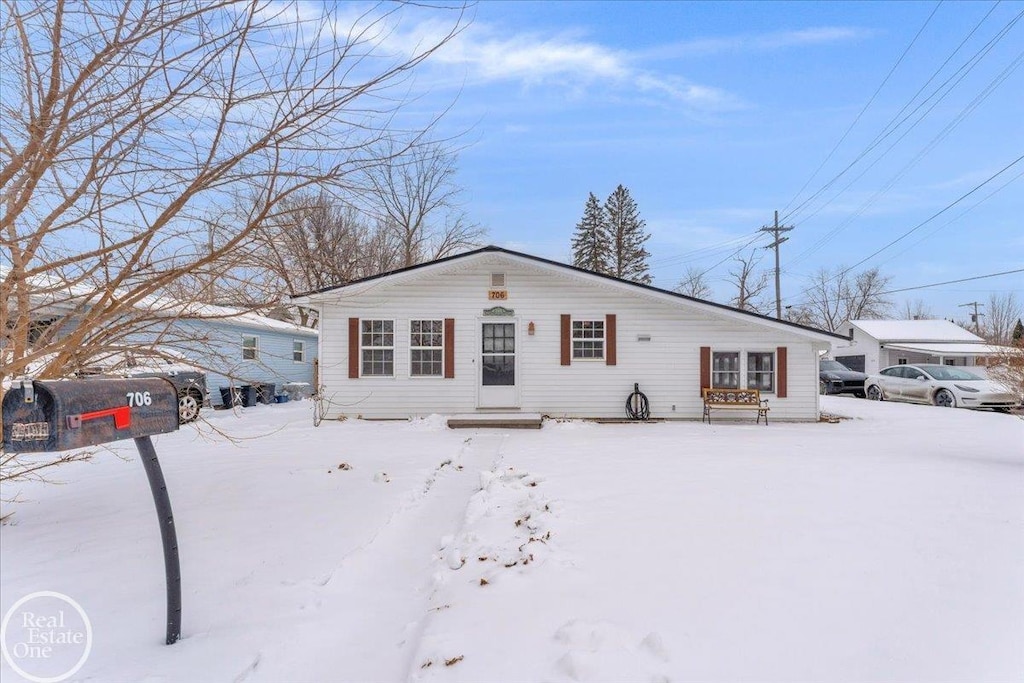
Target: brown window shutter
[[609, 339], [353, 348], [780, 381], [449, 348], [705, 368], [566, 339]]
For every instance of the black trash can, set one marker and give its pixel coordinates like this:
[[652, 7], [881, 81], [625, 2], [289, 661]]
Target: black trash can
[[265, 393], [230, 396], [248, 393]]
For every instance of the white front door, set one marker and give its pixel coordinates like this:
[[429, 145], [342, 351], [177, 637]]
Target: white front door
[[498, 365]]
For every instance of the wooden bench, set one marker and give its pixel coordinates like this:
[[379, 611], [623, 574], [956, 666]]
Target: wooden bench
[[734, 399]]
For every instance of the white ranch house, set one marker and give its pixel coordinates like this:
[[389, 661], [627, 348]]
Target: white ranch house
[[498, 330]]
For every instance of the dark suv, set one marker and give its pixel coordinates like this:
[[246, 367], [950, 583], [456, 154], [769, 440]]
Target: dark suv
[[189, 381], [836, 378]]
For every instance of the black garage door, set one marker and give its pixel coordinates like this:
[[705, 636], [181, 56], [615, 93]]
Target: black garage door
[[852, 362]]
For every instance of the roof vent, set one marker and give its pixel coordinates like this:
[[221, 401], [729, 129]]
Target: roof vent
[[497, 280]]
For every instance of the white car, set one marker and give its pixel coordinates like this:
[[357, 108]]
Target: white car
[[941, 385]]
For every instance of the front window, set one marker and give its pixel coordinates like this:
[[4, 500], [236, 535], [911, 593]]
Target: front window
[[761, 371], [833, 366], [426, 348], [588, 339], [298, 351], [250, 347], [725, 370], [377, 346]]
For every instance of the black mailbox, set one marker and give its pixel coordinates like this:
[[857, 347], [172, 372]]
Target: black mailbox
[[60, 415], [63, 414]]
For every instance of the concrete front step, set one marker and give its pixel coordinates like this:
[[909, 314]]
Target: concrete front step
[[496, 421]]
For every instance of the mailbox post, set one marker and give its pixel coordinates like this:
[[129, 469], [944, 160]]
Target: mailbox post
[[41, 416]]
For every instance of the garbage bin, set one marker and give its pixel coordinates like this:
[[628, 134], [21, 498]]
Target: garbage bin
[[248, 393], [231, 396], [265, 393]]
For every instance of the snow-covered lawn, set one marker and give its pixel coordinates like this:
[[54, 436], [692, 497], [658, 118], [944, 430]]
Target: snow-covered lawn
[[888, 547]]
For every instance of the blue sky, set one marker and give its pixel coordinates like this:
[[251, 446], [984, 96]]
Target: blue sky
[[716, 114]]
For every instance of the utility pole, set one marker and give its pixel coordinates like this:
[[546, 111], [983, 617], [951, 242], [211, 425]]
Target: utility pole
[[776, 231], [975, 317]]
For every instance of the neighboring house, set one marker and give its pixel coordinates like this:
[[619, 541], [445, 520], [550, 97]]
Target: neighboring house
[[232, 346], [237, 348], [497, 330], [877, 344]]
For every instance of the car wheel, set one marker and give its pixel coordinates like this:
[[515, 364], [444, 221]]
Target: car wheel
[[859, 394], [188, 408], [875, 393], [945, 398]]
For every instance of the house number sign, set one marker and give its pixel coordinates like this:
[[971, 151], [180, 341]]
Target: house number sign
[[497, 294]]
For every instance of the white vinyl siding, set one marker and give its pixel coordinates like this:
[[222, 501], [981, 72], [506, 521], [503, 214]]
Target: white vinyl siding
[[667, 367]]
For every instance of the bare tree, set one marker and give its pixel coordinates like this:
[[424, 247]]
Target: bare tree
[[916, 310], [750, 285], [127, 127], [1003, 312], [416, 201], [832, 299], [695, 284]]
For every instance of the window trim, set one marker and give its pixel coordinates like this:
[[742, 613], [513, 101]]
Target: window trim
[[255, 348], [573, 339], [302, 350], [744, 365], [440, 348], [392, 347]]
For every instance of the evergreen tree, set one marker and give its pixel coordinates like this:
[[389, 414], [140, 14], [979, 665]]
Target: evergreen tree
[[591, 242], [628, 235], [1018, 332]]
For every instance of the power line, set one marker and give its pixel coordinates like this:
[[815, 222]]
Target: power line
[[853, 297], [940, 212], [865, 107], [953, 282], [896, 122], [924, 222]]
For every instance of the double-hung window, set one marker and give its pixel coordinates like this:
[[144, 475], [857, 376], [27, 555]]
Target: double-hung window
[[761, 370], [588, 339], [250, 347], [298, 351], [377, 348], [725, 370], [426, 348]]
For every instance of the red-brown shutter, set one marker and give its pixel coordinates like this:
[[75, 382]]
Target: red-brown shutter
[[353, 348], [449, 348], [609, 339], [780, 382], [566, 339], [705, 368]]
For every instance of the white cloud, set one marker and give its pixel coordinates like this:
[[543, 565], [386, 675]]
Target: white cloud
[[775, 40]]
